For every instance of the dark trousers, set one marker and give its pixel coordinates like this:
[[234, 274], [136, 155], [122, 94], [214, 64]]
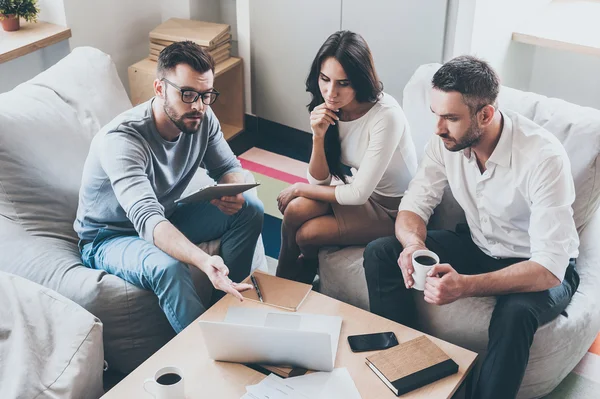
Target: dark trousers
[[515, 318]]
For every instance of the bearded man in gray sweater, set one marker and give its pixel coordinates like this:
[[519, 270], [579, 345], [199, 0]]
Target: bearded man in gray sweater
[[139, 164]]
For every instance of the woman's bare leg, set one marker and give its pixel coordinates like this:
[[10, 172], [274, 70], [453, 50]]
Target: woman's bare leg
[[310, 237], [299, 211]]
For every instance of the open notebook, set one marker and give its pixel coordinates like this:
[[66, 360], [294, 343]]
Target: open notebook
[[278, 292]]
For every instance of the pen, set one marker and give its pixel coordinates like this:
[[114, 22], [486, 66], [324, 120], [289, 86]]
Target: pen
[[255, 284]]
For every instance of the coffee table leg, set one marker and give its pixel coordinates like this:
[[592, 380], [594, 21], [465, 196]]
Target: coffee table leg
[[469, 385]]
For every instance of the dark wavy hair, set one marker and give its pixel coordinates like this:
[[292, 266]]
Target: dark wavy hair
[[353, 53]]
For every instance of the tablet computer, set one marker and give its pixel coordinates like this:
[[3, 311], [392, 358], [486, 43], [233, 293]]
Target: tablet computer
[[216, 191]]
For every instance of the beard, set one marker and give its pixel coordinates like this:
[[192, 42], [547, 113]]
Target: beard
[[186, 127], [469, 138]]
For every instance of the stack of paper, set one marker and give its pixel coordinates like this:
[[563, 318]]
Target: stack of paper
[[332, 385], [215, 38]]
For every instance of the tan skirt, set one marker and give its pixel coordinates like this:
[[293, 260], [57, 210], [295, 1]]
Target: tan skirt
[[361, 224]]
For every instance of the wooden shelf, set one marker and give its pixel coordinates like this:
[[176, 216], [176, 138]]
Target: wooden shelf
[[226, 66], [569, 25], [31, 37], [230, 131]]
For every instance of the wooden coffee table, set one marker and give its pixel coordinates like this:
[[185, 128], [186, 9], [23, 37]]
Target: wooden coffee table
[[205, 378]]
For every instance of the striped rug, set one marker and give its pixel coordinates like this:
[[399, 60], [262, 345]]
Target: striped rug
[[276, 172]]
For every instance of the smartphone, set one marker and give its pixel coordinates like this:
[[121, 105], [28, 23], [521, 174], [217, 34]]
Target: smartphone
[[372, 342]]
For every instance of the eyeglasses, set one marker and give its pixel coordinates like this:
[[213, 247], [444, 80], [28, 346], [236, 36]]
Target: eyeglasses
[[191, 96]]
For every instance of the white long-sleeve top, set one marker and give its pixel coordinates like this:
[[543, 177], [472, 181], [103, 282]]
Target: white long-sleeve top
[[379, 149], [520, 207]]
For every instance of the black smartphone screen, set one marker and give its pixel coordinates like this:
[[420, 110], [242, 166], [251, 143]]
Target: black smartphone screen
[[372, 342]]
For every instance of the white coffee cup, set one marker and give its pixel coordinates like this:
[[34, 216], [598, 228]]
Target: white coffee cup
[[420, 270], [164, 384]]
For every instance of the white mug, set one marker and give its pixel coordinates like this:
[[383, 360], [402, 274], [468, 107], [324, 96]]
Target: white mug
[[420, 270], [166, 388]]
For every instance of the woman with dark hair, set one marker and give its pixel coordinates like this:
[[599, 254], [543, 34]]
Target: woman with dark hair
[[356, 125]]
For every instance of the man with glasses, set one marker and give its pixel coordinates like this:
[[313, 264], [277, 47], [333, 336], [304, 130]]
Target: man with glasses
[[513, 180], [139, 164]]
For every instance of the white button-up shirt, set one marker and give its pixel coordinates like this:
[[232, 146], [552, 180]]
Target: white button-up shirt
[[521, 206]]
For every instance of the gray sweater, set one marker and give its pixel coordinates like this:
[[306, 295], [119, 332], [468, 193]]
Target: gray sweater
[[132, 176]]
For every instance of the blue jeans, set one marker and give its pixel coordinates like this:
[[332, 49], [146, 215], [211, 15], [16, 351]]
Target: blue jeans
[[146, 266]]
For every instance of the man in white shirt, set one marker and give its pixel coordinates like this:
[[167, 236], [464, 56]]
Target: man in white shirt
[[513, 180]]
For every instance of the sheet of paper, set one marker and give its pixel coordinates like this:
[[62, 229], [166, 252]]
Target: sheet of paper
[[323, 385], [273, 387]]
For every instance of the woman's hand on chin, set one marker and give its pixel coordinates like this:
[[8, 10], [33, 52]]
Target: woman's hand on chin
[[321, 118]]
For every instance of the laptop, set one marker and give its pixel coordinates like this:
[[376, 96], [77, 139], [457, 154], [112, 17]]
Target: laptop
[[272, 337]]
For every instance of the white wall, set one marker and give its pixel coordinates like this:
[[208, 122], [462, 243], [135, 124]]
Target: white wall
[[571, 76], [243, 47], [205, 10], [459, 28], [52, 11], [119, 28], [174, 9], [484, 28]]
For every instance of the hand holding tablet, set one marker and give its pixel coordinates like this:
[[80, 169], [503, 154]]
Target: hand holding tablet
[[216, 191], [230, 205]]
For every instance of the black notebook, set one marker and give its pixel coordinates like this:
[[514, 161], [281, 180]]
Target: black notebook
[[411, 365]]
